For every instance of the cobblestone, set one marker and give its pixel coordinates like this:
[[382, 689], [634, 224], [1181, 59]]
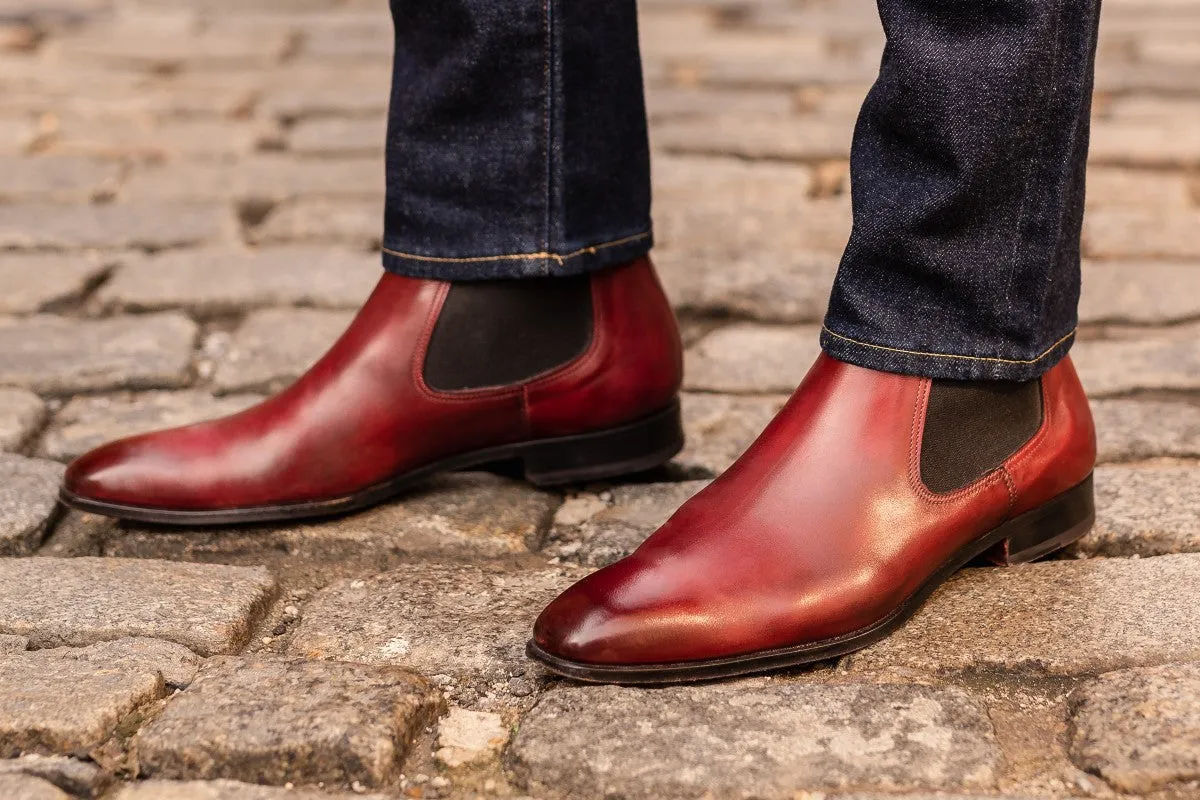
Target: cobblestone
[[1139, 729], [228, 790], [225, 281], [43, 282], [79, 778], [274, 347], [280, 721], [28, 493], [596, 530], [1163, 360], [57, 355], [21, 413], [79, 601], [782, 356], [356, 224], [265, 180], [1133, 430], [26, 787], [1053, 618], [719, 428], [60, 179], [1145, 511], [467, 623], [31, 226], [681, 742], [452, 517], [106, 683]]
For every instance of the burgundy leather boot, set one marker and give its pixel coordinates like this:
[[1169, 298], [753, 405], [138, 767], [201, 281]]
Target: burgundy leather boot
[[865, 493], [576, 377]]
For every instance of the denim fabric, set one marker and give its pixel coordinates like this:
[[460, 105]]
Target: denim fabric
[[968, 185], [517, 147], [516, 140]]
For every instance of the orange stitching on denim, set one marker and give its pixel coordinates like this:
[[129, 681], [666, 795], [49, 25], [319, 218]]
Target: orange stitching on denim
[[560, 259], [1048, 351]]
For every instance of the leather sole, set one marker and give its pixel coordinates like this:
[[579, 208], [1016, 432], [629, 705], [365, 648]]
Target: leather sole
[[1028, 537], [599, 455]]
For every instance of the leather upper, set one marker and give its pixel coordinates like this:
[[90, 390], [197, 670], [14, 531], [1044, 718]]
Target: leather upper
[[822, 528], [363, 414]]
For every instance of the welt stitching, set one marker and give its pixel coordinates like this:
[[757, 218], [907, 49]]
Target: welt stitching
[[1012, 488], [1047, 352], [560, 259]]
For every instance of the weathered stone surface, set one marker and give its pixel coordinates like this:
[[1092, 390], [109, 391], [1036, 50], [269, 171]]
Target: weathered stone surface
[[118, 137], [469, 623], [746, 239], [30, 226], [1057, 618], [1145, 511], [1133, 188], [296, 103], [27, 787], [468, 737], [61, 179], [1145, 293], [90, 421], [1141, 233], [359, 224], [596, 530], [21, 413], [275, 346], [751, 359], [28, 494], [757, 137], [31, 282], [228, 790], [262, 180], [13, 644], [221, 281], [453, 516], [1131, 430], [105, 683], [279, 721], [76, 534], [81, 778], [1158, 360], [1139, 729], [60, 356], [719, 428], [339, 137], [79, 601], [683, 742]]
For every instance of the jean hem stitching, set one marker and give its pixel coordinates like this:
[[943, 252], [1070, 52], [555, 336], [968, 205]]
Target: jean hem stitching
[[1048, 352], [556, 257]]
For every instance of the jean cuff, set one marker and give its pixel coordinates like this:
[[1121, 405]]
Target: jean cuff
[[518, 265], [943, 366]]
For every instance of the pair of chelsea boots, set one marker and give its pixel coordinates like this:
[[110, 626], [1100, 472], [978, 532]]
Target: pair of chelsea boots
[[867, 491]]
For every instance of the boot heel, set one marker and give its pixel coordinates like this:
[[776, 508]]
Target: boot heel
[[1042, 531], [635, 447]]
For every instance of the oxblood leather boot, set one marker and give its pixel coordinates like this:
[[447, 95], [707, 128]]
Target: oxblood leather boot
[[577, 377], [866, 492]]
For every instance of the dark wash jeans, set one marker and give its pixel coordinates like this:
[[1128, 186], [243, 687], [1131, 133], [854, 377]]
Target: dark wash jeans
[[517, 147]]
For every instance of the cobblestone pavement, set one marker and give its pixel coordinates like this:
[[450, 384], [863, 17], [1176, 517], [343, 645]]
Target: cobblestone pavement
[[190, 194]]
